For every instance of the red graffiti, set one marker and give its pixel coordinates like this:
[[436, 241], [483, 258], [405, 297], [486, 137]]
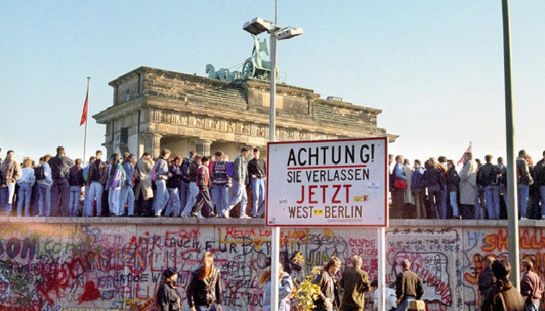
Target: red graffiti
[[90, 292]]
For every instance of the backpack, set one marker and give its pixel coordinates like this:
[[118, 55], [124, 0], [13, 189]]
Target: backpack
[[39, 172]]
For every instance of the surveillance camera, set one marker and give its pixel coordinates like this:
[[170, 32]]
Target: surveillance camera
[[287, 33]]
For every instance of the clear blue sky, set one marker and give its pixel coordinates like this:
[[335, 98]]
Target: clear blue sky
[[435, 68]]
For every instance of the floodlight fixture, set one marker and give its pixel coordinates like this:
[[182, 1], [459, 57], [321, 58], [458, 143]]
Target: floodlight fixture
[[288, 33], [258, 25]]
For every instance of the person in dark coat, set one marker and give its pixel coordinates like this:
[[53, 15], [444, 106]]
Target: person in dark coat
[[204, 290], [486, 278], [503, 296], [168, 297]]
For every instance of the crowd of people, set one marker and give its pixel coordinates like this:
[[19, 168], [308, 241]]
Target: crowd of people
[[346, 289], [497, 293], [437, 190], [169, 186]]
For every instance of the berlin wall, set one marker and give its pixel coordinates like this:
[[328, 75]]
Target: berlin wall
[[116, 263]]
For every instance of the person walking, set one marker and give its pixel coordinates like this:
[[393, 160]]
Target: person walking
[[25, 183], [191, 198], [75, 181], [328, 298], [204, 290], [240, 180], [503, 296], [531, 286], [355, 283], [60, 190], [408, 286], [168, 297], [204, 203]]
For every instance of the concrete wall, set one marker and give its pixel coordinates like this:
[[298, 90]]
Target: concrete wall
[[116, 264]]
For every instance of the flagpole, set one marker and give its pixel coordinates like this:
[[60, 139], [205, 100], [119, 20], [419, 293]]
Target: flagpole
[[85, 135]]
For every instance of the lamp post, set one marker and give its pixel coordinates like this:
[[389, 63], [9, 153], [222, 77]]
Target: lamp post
[[512, 207], [255, 27]]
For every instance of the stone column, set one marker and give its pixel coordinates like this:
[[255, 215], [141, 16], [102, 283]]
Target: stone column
[[152, 143], [202, 146], [109, 149]]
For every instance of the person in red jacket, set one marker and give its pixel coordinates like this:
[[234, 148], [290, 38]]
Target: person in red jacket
[[531, 286]]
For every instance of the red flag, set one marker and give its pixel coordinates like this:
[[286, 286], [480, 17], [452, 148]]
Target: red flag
[[85, 107], [462, 158]]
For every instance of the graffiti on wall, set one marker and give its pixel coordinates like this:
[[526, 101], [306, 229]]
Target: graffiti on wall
[[49, 267]]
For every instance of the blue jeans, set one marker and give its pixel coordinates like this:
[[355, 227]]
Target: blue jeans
[[95, 193], [523, 193], [492, 200], [183, 190], [220, 197], [454, 204], [161, 196], [127, 196], [114, 196], [191, 198], [74, 200], [23, 197], [44, 202], [239, 196], [173, 206], [258, 191]]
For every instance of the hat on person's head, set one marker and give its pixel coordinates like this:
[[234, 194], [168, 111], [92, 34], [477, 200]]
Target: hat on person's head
[[169, 272]]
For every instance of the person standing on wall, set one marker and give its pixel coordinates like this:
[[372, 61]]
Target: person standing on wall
[[408, 286], [144, 189], [240, 180], [204, 290], [10, 171], [354, 282], [257, 170], [160, 175], [75, 181], [168, 297], [204, 203], [60, 191], [531, 286]]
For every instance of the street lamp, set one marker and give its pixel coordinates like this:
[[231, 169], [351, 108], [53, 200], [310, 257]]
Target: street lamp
[[255, 27]]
